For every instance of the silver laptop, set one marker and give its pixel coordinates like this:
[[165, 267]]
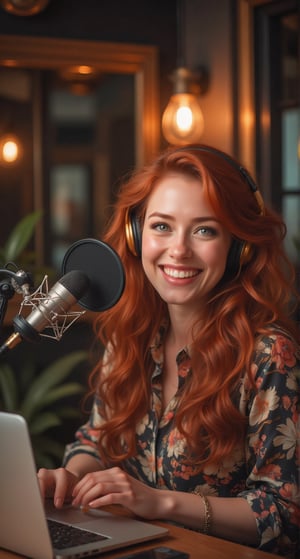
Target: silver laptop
[[24, 523]]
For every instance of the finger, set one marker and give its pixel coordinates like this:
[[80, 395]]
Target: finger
[[42, 487], [87, 491], [88, 481], [62, 487], [97, 498], [46, 483], [124, 498], [112, 475], [91, 490]]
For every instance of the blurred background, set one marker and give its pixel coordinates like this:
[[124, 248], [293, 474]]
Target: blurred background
[[91, 89]]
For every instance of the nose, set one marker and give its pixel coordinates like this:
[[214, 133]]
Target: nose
[[180, 247]]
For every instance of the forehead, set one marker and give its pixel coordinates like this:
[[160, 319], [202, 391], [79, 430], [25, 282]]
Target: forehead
[[177, 192]]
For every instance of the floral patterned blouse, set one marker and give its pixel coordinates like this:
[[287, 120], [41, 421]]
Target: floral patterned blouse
[[264, 470]]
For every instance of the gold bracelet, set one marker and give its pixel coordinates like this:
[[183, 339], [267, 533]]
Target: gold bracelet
[[207, 521]]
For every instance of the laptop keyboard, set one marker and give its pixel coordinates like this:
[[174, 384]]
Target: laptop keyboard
[[64, 535]]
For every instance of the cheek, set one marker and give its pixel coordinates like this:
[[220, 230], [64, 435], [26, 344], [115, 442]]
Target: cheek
[[216, 256], [150, 247], [148, 256]]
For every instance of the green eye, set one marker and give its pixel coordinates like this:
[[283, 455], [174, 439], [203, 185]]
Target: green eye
[[206, 231], [160, 227]]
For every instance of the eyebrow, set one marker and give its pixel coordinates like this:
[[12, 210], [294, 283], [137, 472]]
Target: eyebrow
[[195, 219]]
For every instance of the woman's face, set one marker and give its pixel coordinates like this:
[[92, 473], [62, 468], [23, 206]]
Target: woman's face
[[184, 246]]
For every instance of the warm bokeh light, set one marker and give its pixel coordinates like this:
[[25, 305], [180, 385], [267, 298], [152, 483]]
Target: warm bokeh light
[[184, 118], [10, 149], [247, 118], [182, 121], [83, 69]]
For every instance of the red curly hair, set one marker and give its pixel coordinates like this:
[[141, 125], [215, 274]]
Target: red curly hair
[[239, 309]]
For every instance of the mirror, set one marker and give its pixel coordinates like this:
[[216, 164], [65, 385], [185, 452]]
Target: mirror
[[85, 113]]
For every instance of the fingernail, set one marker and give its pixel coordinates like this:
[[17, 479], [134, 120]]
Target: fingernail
[[84, 508], [58, 502]]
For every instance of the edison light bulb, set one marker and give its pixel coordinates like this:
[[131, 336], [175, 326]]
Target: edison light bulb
[[10, 151], [182, 121]]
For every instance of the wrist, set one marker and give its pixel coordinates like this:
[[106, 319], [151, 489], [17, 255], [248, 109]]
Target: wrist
[[168, 505], [188, 509], [81, 464]]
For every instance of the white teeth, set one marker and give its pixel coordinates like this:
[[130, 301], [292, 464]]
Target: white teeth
[[180, 273]]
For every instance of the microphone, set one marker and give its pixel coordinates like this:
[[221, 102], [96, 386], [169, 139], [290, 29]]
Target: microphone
[[104, 269], [63, 295], [93, 277]]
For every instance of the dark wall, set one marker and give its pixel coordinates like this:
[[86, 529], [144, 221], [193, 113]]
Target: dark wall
[[151, 22], [125, 21], [131, 21]]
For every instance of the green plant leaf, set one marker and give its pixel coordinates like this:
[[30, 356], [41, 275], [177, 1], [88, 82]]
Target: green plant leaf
[[9, 388], [68, 389], [50, 377], [45, 450], [49, 445], [25, 376], [71, 413], [52, 397], [20, 236], [22, 391], [43, 460], [42, 422]]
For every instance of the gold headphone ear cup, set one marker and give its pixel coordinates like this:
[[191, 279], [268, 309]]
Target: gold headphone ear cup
[[239, 254], [129, 235], [246, 254], [133, 234]]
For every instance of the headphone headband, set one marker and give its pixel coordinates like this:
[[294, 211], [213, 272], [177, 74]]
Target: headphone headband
[[249, 180]]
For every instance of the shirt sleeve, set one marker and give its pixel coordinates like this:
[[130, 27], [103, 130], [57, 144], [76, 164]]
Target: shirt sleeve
[[272, 444], [86, 437]]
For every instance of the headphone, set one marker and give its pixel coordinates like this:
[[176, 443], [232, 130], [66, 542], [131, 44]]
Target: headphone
[[240, 252]]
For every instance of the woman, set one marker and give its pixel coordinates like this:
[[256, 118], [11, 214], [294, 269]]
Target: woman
[[195, 409]]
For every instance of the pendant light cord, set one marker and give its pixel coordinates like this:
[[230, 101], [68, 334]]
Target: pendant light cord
[[181, 20]]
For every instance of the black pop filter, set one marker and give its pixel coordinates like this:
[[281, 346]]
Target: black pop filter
[[103, 267]]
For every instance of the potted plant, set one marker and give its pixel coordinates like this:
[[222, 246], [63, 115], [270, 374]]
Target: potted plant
[[18, 240], [46, 399]]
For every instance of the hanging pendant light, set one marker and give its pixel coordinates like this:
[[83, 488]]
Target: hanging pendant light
[[182, 120]]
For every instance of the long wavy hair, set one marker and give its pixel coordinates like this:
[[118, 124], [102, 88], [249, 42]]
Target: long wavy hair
[[239, 309]]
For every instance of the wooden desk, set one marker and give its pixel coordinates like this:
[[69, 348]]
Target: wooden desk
[[197, 545]]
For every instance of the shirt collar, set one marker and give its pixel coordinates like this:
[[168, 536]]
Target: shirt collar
[[157, 350]]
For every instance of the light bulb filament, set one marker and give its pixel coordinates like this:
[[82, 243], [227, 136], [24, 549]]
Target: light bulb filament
[[184, 119]]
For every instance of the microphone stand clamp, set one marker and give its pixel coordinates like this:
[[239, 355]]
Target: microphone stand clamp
[[14, 282]]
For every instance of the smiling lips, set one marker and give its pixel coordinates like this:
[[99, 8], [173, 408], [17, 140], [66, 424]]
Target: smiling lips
[[179, 273]]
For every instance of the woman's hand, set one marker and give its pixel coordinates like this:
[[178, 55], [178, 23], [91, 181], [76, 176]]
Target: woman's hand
[[113, 486], [58, 483]]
